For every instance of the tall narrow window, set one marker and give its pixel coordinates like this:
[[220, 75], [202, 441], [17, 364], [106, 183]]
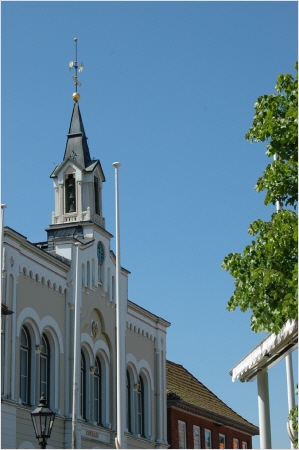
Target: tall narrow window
[[97, 392], [208, 439], [83, 388], [196, 436], [129, 428], [244, 444], [25, 366], [221, 440], [70, 194], [96, 196], [140, 418], [182, 434], [235, 443], [45, 368]]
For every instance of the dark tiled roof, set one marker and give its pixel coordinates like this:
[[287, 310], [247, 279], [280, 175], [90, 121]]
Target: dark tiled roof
[[184, 390]]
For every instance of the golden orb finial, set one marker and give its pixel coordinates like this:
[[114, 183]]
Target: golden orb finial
[[76, 96]]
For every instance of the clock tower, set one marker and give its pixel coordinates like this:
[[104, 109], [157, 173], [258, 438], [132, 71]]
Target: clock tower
[[78, 179]]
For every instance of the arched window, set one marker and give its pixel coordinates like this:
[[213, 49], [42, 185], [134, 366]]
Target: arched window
[[140, 412], [98, 392], [70, 194], [45, 368], [25, 366], [129, 409], [83, 387], [96, 196]]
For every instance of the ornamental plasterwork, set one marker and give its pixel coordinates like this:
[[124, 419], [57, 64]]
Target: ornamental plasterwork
[[94, 328], [141, 331]]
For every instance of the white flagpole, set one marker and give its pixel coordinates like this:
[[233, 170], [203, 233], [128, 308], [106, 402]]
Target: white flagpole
[[2, 249], [75, 381], [288, 358], [120, 332]]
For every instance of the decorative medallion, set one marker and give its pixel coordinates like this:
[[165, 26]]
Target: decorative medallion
[[94, 328]]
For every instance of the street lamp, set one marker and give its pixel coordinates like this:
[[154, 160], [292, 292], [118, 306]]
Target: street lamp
[[42, 419]]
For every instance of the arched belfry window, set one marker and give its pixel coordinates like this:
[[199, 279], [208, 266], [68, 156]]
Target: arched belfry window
[[98, 392], [97, 196], [25, 366], [70, 194], [140, 413], [45, 368]]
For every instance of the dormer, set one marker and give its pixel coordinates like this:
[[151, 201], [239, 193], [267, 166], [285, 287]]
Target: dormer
[[78, 180]]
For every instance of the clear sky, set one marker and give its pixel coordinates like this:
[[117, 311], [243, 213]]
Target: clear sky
[[168, 90]]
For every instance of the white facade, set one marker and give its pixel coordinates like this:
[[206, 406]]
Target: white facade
[[40, 284]]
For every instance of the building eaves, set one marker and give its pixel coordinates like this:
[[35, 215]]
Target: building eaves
[[143, 311], [219, 419]]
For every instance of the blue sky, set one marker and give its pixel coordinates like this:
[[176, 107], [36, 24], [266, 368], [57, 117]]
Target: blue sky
[[168, 90]]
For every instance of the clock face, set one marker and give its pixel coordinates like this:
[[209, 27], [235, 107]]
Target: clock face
[[100, 252]]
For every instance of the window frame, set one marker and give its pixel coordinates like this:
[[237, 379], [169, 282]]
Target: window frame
[[196, 427], [221, 435], [140, 408], [97, 381], [210, 434], [25, 349], [182, 428], [45, 358], [236, 441], [83, 387]]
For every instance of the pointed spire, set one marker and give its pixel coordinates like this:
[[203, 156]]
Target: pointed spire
[[76, 146]]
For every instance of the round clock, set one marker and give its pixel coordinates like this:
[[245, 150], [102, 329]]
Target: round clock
[[100, 252]]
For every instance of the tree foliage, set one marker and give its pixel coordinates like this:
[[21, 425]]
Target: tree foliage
[[276, 121], [266, 274]]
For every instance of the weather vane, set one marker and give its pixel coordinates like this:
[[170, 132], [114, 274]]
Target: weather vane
[[74, 65]]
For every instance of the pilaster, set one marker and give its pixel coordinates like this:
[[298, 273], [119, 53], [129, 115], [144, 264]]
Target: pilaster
[[158, 396]]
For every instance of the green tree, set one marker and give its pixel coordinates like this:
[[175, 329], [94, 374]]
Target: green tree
[[266, 273]]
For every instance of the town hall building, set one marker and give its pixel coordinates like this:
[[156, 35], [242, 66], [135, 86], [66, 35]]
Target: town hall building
[[40, 284]]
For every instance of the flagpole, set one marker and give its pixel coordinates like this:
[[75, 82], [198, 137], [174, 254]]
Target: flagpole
[[3, 206], [75, 381], [120, 332]]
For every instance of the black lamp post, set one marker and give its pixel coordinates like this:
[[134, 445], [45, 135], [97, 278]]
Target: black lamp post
[[42, 419]]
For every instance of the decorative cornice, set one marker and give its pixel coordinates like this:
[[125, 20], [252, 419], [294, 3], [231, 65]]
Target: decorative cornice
[[218, 418]]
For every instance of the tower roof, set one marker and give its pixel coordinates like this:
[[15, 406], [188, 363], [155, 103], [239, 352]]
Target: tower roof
[[76, 148], [76, 145]]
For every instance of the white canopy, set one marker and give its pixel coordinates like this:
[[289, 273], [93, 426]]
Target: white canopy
[[271, 350]]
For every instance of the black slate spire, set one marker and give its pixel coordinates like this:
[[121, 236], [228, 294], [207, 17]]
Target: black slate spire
[[76, 145]]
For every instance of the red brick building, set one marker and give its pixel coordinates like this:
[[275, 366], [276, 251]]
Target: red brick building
[[196, 418]]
